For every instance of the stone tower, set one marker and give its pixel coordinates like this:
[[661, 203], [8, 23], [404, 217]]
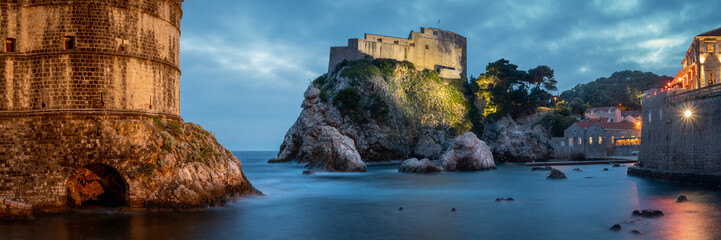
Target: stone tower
[[90, 56], [89, 108]]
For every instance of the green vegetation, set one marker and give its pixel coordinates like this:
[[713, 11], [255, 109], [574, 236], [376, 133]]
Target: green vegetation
[[505, 90], [175, 127], [168, 141], [147, 169], [393, 92], [622, 89]]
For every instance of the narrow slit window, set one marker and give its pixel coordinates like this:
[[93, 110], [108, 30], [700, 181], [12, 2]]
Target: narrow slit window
[[9, 45], [427, 47], [380, 40], [68, 43]]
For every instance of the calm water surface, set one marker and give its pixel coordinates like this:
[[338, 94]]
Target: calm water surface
[[365, 206]]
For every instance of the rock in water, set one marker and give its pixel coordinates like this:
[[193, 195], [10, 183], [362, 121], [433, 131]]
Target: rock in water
[[468, 153], [682, 198], [616, 165], [637, 231], [556, 174], [616, 227], [648, 213], [414, 165], [335, 152]]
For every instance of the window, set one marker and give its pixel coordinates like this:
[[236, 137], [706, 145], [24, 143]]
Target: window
[[660, 115], [590, 140], [600, 140], [649, 117], [9, 45], [600, 112], [68, 43], [427, 47], [711, 78], [574, 130], [612, 139], [380, 40], [396, 42], [709, 47], [580, 141], [570, 142], [563, 144]]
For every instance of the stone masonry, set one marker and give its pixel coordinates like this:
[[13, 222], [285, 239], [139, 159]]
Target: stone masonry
[[432, 49], [87, 82], [675, 145]]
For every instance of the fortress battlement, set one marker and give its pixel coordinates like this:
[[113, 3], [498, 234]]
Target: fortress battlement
[[432, 49]]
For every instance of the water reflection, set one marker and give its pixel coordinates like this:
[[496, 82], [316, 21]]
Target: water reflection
[[365, 206]]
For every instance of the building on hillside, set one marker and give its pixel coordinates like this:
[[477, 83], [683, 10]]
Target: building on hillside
[[598, 137], [432, 49], [612, 113], [633, 116], [702, 63], [681, 125]]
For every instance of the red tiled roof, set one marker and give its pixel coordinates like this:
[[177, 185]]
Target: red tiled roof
[[595, 110], [715, 32], [595, 120], [617, 125]]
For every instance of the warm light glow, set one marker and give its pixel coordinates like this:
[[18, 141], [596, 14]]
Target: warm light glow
[[687, 113], [702, 58]]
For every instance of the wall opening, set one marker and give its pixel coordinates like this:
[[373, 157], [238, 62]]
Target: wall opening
[[97, 185], [68, 43], [9, 45]]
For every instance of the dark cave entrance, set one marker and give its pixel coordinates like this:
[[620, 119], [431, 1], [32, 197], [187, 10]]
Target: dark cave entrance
[[97, 185]]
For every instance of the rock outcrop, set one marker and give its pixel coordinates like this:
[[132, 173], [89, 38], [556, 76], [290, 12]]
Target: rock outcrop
[[556, 174], [524, 141], [414, 165], [468, 153], [379, 110]]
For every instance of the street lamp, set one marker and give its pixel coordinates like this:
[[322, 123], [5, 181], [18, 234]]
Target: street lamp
[[687, 113]]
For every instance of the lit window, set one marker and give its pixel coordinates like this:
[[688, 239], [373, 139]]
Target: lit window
[[580, 141], [68, 43], [709, 47], [9, 45], [570, 141], [600, 140], [590, 140], [711, 78]]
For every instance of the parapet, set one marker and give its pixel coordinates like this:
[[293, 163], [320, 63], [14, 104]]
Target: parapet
[[431, 48]]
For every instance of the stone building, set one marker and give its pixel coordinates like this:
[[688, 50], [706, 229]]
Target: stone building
[[682, 123], [702, 63], [82, 83], [613, 114], [432, 49], [598, 137]]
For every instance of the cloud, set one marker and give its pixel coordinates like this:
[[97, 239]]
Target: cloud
[[617, 6]]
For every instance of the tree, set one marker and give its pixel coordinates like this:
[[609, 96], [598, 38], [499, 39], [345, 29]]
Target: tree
[[624, 87], [507, 90]]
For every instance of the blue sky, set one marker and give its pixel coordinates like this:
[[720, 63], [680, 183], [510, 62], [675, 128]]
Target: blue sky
[[247, 63]]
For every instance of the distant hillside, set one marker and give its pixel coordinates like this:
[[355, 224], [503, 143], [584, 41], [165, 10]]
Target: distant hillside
[[624, 88]]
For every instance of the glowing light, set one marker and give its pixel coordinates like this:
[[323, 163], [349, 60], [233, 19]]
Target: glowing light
[[687, 113], [702, 58]]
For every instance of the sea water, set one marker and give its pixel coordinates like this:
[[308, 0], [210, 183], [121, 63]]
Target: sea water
[[366, 206]]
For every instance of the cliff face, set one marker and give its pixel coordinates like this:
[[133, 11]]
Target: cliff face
[[519, 141], [376, 110]]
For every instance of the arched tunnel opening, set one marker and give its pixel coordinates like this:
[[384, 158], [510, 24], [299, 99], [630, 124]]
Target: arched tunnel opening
[[97, 185]]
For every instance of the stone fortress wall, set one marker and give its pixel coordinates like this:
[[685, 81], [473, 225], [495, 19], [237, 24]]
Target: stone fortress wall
[[679, 148], [432, 49], [63, 107], [123, 56]]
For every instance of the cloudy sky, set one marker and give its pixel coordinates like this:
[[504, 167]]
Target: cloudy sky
[[247, 63]]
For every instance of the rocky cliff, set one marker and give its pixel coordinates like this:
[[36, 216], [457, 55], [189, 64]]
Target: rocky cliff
[[168, 164], [525, 140], [375, 110]]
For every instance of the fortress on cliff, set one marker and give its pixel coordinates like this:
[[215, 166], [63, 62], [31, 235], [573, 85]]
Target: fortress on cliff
[[81, 84], [432, 49]]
